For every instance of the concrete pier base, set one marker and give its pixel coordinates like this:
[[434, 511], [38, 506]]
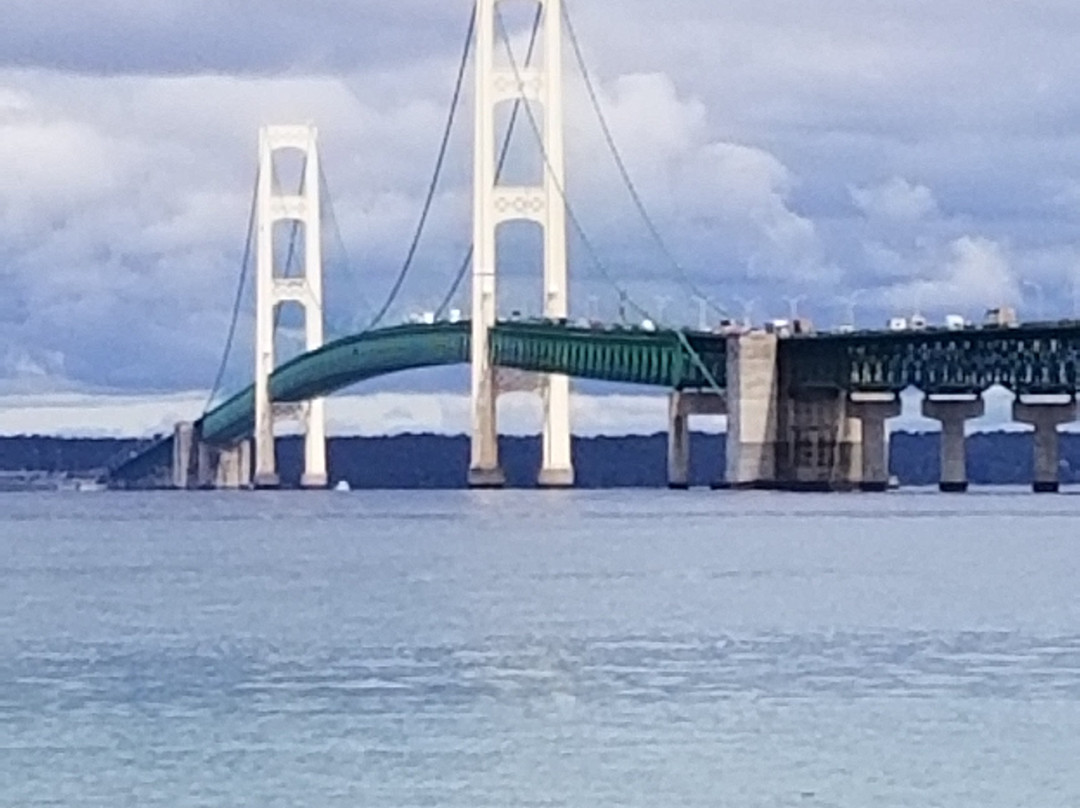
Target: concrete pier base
[[555, 478], [556, 463], [487, 478], [681, 405], [752, 410], [873, 411], [819, 442], [1046, 417], [183, 443], [232, 467], [678, 447], [952, 413], [314, 481], [198, 465], [266, 481]]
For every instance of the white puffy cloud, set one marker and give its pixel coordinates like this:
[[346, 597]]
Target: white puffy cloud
[[976, 273], [895, 200], [782, 148]]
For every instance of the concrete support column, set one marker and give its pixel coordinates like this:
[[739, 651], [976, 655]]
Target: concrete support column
[[952, 413], [232, 470], [1046, 417], [873, 412], [681, 405], [556, 470], [314, 474], [752, 410], [205, 464], [678, 456], [818, 442], [183, 440]]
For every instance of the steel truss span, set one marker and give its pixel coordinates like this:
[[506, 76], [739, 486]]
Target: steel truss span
[[628, 355]]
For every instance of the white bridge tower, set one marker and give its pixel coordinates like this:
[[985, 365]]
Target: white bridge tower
[[495, 204], [272, 288]]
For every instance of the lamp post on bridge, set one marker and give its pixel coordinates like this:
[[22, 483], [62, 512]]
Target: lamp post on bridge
[[849, 301], [793, 302], [661, 304], [748, 311], [592, 312], [1039, 300], [703, 314]]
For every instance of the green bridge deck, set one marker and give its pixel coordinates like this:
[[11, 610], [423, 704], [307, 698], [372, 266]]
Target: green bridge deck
[[1036, 358], [1029, 359], [661, 358]]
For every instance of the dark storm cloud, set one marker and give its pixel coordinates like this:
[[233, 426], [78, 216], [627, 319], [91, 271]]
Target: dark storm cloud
[[920, 154], [180, 37]]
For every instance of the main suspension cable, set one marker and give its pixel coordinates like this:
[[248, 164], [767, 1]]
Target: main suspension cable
[[557, 182], [639, 203], [433, 185], [594, 256], [238, 299], [339, 241]]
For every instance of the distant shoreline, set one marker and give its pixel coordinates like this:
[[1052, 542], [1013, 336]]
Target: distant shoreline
[[419, 461]]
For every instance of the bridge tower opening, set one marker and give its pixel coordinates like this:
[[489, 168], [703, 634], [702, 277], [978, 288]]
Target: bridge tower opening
[[273, 288], [497, 81]]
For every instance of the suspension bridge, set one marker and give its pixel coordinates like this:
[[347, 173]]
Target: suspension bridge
[[804, 410]]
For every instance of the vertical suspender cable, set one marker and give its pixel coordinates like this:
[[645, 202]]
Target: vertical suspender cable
[[238, 299]]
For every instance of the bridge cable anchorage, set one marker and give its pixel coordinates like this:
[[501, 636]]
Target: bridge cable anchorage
[[433, 185], [245, 264], [624, 172], [572, 216], [503, 154]]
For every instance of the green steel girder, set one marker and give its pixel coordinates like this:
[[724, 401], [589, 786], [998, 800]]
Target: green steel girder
[[660, 358], [628, 355], [633, 356], [1030, 359], [1035, 359], [339, 364]]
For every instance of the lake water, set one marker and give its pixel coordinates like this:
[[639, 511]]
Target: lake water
[[630, 648]]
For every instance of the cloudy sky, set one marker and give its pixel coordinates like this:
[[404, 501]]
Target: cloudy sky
[[843, 155]]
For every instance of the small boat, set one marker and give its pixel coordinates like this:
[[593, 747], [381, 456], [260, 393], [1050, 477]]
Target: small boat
[[343, 485]]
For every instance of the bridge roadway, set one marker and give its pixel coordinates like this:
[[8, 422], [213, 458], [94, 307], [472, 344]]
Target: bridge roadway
[[661, 358], [1028, 360]]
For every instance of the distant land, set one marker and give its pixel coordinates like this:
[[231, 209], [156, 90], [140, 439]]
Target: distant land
[[437, 461]]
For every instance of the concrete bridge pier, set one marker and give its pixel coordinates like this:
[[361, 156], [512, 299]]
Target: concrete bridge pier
[[781, 436], [819, 443], [198, 465], [681, 405], [183, 445], [1046, 417], [873, 410], [952, 413], [232, 469], [752, 410]]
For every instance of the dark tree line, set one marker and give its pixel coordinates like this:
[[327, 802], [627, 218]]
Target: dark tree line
[[434, 461]]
